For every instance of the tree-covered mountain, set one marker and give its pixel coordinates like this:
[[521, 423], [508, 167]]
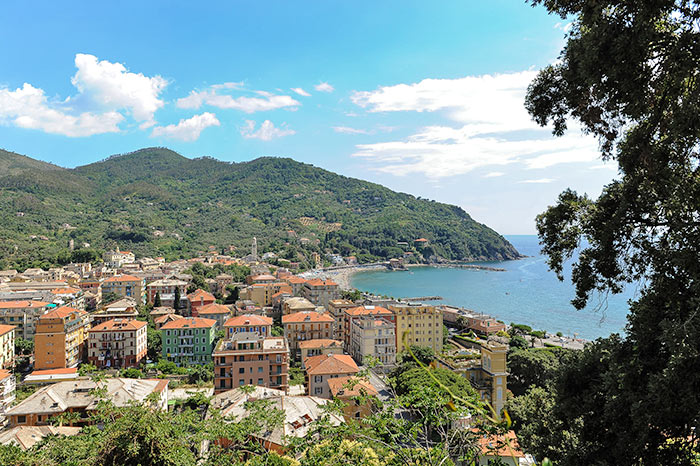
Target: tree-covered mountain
[[159, 203]]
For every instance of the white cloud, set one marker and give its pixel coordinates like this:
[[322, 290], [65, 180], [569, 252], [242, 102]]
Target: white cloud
[[301, 91], [28, 107], [189, 129], [493, 175], [263, 101], [494, 129], [537, 181], [349, 130], [114, 87], [324, 87], [265, 132]]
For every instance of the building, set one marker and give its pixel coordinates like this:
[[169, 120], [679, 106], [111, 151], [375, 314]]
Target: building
[[161, 320], [165, 288], [7, 346], [127, 286], [325, 346], [336, 308], [7, 390], [48, 376], [372, 337], [248, 323], [300, 415], [25, 437], [23, 315], [60, 338], [262, 293], [118, 343], [320, 292], [248, 358], [218, 312], [297, 304], [115, 259], [189, 340], [320, 369], [419, 324], [297, 283], [78, 397], [125, 308], [198, 299], [503, 449], [306, 325], [359, 312], [350, 390]]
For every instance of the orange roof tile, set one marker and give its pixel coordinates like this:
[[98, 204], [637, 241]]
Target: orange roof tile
[[200, 293], [61, 313], [65, 291], [4, 373], [6, 328], [214, 308], [63, 370], [320, 343], [505, 446], [368, 311], [295, 279], [189, 322], [166, 318], [306, 316], [341, 386], [118, 324], [22, 304], [123, 278], [330, 364], [319, 282], [247, 319]]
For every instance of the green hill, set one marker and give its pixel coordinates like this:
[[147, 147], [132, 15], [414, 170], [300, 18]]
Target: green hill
[[157, 202]]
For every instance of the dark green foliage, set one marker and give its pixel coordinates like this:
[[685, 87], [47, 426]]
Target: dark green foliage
[[156, 300], [110, 297], [131, 373], [517, 341], [628, 74], [534, 366], [125, 201], [177, 298], [23, 347], [416, 378]]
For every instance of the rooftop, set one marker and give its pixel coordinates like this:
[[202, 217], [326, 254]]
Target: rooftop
[[189, 322], [118, 324], [214, 308], [368, 310], [123, 278], [330, 364], [247, 319], [351, 386], [22, 304], [306, 316], [320, 343]]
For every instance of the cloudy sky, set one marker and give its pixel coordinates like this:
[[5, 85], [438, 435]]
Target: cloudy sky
[[422, 97]]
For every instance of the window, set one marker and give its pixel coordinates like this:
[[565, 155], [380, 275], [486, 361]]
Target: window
[[260, 381], [21, 419], [318, 391], [260, 369], [241, 370], [241, 382]]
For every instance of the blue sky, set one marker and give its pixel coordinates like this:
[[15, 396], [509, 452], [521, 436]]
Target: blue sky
[[422, 97]]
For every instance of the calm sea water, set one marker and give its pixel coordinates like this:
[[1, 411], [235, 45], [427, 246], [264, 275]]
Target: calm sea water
[[526, 293]]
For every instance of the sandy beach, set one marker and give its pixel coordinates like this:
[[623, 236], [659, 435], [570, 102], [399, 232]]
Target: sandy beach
[[341, 275]]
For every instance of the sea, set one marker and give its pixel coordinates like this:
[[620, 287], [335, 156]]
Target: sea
[[526, 293]]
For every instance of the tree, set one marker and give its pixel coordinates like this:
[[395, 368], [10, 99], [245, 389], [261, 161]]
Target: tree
[[110, 297], [176, 299], [23, 347], [233, 294], [628, 75], [156, 300], [534, 366]]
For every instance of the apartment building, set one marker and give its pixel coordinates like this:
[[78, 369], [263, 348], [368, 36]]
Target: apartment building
[[198, 299], [346, 389], [161, 320], [296, 304], [262, 293], [23, 315], [189, 340], [117, 343], [310, 348], [248, 358], [320, 369], [125, 308], [420, 323], [320, 292], [306, 325], [127, 286], [248, 323], [7, 346], [7, 390], [165, 288], [60, 338], [355, 313], [372, 337], [336, 308], [296, 283], [218, 312], [115, 259]]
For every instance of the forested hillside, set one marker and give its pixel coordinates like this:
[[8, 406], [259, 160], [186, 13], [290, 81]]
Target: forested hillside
[[159, 203]]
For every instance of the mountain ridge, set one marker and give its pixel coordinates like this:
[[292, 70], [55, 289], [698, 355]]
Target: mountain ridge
[[157, 202]]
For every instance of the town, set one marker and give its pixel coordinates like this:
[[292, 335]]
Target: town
[[184, 328]]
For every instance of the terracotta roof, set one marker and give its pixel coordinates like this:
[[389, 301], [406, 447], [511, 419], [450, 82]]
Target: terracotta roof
[[21, 304], [65, 290], [295, 279], [505, 446], [306, 316], [330, 364], [123, 278], [63, 370], [320, 343], [200, 293], [61, 313], [27, 436], [6, 328], [420, 240], [247, 319], [214, 308], [4, 373], [368, 310], [340, 386], [119, 324], [166, 318], [319, 282], [189, 322]]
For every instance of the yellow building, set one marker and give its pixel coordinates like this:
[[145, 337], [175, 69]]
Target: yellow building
[[262, 293], [421, 323], [127, 286], [7, 346], [60, 338]]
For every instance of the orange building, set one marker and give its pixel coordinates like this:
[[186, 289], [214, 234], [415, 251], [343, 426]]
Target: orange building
[[118, 343], [198, 299], [60, 338], [306, 325]]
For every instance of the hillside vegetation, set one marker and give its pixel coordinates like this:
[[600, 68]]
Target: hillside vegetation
[[159, 203]]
